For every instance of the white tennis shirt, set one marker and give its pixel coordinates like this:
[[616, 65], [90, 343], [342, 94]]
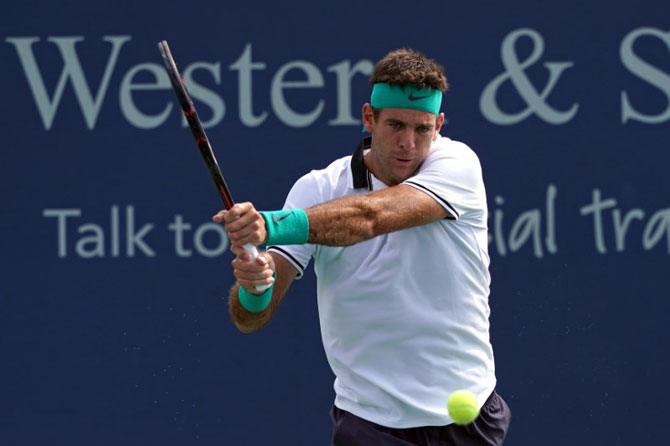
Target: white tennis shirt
[[405, 316]]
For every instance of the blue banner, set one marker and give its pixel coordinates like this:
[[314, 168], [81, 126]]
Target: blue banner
[[114, 327]]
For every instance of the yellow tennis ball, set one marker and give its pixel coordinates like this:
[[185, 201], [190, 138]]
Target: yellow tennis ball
[[462, 407]]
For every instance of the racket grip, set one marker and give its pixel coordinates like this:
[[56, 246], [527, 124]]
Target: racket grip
[[251, 249]]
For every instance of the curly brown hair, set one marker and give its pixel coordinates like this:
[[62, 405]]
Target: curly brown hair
[[406, 66]]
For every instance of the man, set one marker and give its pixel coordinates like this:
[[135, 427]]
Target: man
[[398, 233]]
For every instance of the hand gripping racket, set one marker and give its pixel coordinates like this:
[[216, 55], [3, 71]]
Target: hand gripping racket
[[200, 137]]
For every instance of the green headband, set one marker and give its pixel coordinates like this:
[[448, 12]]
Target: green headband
[[407, 96]]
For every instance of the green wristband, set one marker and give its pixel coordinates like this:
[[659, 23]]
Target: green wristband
[[255, 303], [287, 227]]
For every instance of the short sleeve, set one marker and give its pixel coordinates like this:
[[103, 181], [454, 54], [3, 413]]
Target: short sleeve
[[452, 175], [304, 193]]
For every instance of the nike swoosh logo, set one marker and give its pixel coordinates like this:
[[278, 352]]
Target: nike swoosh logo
[[416, 98], [278, 219]]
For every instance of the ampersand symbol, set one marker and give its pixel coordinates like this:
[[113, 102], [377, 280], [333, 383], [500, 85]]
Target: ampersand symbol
[[514, 71]]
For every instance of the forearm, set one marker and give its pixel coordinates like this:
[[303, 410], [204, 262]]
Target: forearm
[[349, 220], [342, 222], [246, 321]]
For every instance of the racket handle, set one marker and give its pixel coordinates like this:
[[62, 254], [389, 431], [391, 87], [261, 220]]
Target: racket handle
[[251, 249]]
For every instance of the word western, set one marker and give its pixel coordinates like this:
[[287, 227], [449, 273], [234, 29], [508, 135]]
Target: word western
[[304, 77], [134, 81]]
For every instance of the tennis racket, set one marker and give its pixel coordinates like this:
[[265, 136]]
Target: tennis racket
[[200, 137]]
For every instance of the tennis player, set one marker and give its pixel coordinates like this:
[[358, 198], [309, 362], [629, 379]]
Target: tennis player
[[398, 234]]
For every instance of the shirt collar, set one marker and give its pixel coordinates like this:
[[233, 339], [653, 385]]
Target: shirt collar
[[359, 171]]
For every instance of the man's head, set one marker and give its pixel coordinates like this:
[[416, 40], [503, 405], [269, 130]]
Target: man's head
[[403, 116], [408, 67]]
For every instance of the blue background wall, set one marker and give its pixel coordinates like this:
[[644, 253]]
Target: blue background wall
[[114, 343]]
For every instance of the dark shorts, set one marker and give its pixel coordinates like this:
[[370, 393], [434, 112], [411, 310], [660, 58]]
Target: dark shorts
[[488, 429]]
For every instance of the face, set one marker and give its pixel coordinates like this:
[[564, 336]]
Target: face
[[401, 139]]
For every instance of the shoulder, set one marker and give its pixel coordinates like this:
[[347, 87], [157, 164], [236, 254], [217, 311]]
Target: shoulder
[[452, 174], [318, 184], [452, 159], [330, 174], [447, 148]]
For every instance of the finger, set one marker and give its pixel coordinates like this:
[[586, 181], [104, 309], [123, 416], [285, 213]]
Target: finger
[[241, 253], [250, 263], [244, 261], [237, 249], [260, 278], [251, 286], [252, 275], [237, 211], [219, 216], [261, 261], [260, 268], [242, 227], [266, 258], [242, 221], [252, 234]]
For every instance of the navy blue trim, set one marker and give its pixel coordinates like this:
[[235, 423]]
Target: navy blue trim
[[444, 202]]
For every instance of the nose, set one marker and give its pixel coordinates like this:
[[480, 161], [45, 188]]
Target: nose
[[406, 139]]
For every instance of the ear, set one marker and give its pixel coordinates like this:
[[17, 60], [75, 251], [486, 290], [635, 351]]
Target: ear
[[368, 117], [438, 125]]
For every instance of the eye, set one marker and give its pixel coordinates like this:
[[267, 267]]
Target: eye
[[394, 125], [424, 129]]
